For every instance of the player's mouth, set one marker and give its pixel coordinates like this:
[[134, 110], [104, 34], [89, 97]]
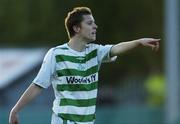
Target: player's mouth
[[93, 33]]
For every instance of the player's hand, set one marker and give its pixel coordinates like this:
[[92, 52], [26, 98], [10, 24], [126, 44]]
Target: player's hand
[[13, 119], [150, 42]]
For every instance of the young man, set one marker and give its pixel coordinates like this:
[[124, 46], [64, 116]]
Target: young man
[[72, 69]]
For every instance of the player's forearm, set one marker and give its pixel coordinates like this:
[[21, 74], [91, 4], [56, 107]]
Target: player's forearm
[[32, 91], [123, 47]]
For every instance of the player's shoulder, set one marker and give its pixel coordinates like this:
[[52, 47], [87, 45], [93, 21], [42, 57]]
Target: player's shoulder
[[58, 48], [61, 47], [93, 46]]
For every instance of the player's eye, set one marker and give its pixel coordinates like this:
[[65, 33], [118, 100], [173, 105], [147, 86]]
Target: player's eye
[[90, 23]]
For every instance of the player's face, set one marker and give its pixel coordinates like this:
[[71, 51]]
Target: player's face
[[88, 28]]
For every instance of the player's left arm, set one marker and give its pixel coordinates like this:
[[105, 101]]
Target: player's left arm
[[126, 46]]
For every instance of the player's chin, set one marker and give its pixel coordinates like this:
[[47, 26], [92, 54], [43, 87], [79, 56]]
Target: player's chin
[[91, 39]]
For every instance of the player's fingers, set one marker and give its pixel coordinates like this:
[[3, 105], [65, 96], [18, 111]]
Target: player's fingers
[[153, 42], [153, 48], [150, 45], [156, 39], [157, 46]]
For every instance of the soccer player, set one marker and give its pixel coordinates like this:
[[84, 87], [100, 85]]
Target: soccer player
[[72, 69]]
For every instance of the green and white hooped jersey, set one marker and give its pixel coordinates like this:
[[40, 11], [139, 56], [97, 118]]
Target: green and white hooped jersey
[[74, 77]]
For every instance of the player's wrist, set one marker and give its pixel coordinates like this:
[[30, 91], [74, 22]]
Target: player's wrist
[[137, 42]]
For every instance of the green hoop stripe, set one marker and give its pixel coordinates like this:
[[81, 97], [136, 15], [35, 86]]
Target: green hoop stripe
[[63, 48], [64, 121], [75, 72], [77, 102], [77, 87], [78, 118], [77, 59]]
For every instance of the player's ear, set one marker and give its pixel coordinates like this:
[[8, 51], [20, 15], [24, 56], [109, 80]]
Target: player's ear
[[76, 28]]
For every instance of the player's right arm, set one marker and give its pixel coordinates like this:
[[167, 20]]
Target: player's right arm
[[32, 91], [42, 81]]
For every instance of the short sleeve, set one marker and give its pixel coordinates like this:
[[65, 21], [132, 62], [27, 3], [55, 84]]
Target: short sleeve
[[44, 76], [103, 54]]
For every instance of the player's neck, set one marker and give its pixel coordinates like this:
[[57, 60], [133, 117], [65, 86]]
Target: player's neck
[[77, 44]]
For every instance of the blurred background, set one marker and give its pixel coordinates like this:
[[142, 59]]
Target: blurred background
[[141, 87]]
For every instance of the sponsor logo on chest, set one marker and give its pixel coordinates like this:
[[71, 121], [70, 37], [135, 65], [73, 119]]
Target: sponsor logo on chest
[[81, 80]]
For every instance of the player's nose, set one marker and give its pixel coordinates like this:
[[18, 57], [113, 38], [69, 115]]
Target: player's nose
[[95, 26]]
